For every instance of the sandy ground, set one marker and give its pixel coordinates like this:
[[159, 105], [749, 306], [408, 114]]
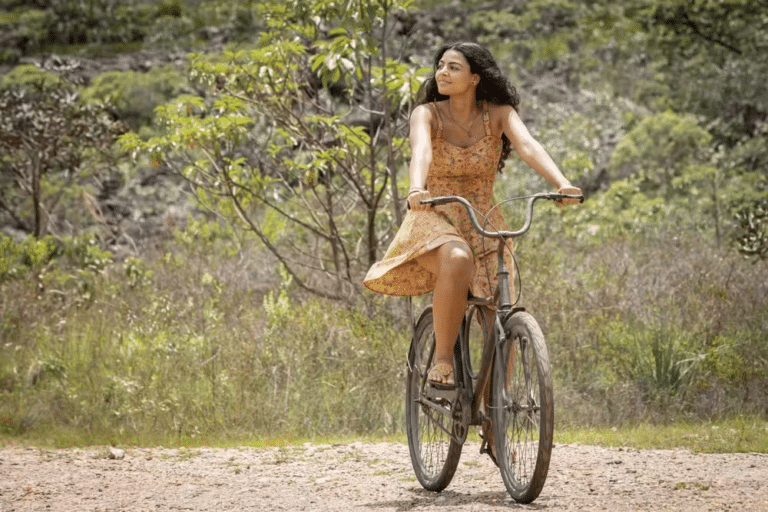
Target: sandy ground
[[370, 477]]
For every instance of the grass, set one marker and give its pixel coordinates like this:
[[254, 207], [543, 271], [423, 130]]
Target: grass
[[738, 435], [188, 350], [57, 440]]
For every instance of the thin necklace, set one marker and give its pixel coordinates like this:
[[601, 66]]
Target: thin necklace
[[468, 131]]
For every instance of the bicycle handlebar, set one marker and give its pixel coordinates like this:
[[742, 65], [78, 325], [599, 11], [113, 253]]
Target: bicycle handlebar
[[552, 196]]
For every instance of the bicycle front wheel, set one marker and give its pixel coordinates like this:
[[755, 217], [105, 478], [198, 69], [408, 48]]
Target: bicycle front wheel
[[522, 408], [434, 451]]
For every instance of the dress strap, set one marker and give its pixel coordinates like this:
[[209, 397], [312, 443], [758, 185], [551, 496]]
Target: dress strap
[[439, 120], [487, 119]]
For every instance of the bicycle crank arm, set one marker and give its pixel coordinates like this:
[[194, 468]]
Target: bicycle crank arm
[[437, 408]]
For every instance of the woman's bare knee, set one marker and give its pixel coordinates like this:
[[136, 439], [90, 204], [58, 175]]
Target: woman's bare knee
[[454, 260]]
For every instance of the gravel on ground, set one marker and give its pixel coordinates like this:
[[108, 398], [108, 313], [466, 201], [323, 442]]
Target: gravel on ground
[[374, 477]]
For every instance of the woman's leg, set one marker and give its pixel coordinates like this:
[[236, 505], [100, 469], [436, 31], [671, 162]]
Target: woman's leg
[[453, 266]]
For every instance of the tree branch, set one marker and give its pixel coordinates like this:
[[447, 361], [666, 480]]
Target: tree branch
[[682, 20]]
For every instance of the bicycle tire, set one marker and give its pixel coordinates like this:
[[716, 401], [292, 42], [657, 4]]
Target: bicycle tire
[[434, 452], [523, 408]]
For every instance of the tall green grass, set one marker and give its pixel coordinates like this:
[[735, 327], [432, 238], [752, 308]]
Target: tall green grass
[[650, 330], [181, 347], [201, 342]]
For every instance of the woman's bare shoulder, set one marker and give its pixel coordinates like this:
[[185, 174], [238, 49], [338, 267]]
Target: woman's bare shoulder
[[423, 115], [422, 110], [429, 108], [498, 115], [499, 111]]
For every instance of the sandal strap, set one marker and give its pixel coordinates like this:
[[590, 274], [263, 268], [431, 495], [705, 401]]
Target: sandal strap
[[445, 373]]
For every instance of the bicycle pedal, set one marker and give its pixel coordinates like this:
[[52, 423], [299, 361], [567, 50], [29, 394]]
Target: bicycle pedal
[[446, 394]]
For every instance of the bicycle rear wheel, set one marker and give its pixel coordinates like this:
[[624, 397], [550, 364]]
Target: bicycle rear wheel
[[434, 451], [522, 408]]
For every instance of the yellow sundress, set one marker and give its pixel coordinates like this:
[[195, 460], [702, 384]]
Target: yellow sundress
[[464, 171]]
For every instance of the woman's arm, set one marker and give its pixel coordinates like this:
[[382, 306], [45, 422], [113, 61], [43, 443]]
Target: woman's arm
[[421, 155], [534, 154]]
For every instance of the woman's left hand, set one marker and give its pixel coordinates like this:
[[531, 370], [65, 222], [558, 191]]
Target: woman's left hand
[[571, 191], [414, 200]]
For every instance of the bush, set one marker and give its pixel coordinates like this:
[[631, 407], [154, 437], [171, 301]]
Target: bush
[[134, 95], [176, 348], [648, 330], [204, 342]]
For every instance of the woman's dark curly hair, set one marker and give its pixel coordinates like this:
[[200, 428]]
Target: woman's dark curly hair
[[494, 87]]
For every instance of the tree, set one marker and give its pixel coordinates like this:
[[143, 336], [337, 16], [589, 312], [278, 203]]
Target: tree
[[132, 95], [46, 134], [700, 58], [660, 149], [717, 54], [297, 140]]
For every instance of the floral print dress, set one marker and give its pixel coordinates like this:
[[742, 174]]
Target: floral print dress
[[463, 171]]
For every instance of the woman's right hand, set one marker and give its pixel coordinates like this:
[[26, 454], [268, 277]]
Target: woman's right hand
[[414, 200]]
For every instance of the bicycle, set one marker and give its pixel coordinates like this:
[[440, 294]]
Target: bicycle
[[520, 401]]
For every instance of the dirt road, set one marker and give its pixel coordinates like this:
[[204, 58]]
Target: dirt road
[[370, 477]]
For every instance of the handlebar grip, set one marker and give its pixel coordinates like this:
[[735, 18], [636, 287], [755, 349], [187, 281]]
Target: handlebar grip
[[437, 201], [559, 197]]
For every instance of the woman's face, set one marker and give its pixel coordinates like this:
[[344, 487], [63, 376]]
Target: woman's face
[[453, 74]]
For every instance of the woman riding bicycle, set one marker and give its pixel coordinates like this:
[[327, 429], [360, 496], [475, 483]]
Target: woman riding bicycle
[[461, 132]]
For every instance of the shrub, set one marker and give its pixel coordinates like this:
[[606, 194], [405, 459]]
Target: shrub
[[133, 96]]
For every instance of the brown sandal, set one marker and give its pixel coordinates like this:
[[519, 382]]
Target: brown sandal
[[441, 376]]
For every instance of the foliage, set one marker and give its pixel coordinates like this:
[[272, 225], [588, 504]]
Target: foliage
[[710, 55], [132, 96], [718, 43], [17, 258], [658, 359], [27, 75], [174, 349], [182, 346], [304, 161], [32, 29], [648, 331], [660, 149], [540, 32], [46, 134]]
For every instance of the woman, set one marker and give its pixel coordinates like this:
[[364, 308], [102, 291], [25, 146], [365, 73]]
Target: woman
[[462, 130]]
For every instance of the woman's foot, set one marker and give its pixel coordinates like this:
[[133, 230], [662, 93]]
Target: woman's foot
[[441, 376]]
